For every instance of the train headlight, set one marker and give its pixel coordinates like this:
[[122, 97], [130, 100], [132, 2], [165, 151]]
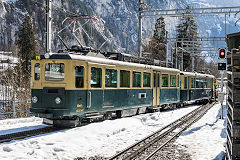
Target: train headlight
[[34, 99], [58, 100], [47, 55]]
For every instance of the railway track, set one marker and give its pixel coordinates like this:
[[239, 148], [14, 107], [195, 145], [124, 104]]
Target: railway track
[[29, 133], [149, 147]]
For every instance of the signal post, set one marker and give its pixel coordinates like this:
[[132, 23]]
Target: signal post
[[222, 67]]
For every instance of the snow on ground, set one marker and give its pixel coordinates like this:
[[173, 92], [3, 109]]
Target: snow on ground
[[102, 138], [205, 139]]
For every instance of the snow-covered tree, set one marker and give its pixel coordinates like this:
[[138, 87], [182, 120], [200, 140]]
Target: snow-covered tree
[[156, 46], [186, 38], [27, 44]]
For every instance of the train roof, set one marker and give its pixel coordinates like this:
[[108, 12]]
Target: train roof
[[115, 62], [196, 74], [102, 60]]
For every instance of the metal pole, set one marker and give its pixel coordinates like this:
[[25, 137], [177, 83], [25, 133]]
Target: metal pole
[[182, 57], [225, 25], [14, 109], [140, 9], [221, 116], [48, 25], [166, 49], [192, 62]]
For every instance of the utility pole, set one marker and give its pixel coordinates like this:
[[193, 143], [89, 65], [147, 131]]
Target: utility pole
[[192, 62], [48, 26], [140, 9], [166, 48]]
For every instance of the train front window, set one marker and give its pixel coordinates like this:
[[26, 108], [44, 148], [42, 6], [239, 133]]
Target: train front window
[[37, 71], [96, 77], [172, 80], [165, 80], [79, 77], [111, 78], [54, 71]]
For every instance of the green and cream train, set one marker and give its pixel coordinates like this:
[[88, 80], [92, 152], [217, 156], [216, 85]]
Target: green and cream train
[[69, 89]]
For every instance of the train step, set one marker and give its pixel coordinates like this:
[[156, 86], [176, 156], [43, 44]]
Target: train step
[[90, 114], [95, 118]]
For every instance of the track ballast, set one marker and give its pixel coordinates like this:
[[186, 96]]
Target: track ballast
[[149, 147]]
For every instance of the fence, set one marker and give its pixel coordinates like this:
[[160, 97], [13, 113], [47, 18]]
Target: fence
[[14, 108]]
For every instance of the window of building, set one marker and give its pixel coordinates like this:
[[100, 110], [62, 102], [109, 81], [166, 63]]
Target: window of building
[[111, 78], [165, 80], [172, 80], [37, 71], [79, 77], [146, 79], [185, 82], [54, 71], [96, 77], [124, 78], [136, 79]]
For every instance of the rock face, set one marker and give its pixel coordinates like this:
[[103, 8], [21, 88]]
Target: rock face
[[115, 30]]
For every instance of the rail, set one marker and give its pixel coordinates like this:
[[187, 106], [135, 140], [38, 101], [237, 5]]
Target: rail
[[28, 133], [152, 144]]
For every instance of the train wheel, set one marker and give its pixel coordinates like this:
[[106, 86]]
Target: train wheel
[[119, 114], [107, 116]]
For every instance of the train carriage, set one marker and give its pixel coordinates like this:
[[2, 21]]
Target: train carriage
[[70, 88], [196, 87], [167, 87]]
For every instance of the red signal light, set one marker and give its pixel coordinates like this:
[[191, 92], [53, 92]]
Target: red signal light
[[222, 53]]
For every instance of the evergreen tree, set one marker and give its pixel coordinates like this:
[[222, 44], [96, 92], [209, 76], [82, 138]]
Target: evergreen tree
[[26, 44], [157, 45], [186, 33]]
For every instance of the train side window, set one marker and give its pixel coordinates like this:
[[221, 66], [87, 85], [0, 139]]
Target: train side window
[[147, 79], [136, 79], [37, 71], [193, 83], [154, 79], [177, 80], [172, 80], [165, 80], [124, 78], [197, 83], [79, 77], [111, 78], [96, 77], [185, 82], [158, 80], [201, 83]]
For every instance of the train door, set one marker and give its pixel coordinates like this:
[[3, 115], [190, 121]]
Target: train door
[[156, 89], [95, 87]]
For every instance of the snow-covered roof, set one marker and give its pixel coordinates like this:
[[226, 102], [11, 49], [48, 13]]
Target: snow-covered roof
[[188, 73], [204, 75], [115, 62]]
